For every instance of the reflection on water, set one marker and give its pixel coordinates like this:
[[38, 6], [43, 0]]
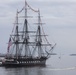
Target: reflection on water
[[37, 71], [25, 71]]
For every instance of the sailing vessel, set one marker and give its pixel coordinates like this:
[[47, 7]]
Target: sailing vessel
[[27, 46]]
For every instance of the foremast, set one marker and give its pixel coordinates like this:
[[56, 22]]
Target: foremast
[[17, 36]]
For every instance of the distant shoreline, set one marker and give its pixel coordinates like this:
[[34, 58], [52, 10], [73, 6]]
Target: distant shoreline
[[72, 54]]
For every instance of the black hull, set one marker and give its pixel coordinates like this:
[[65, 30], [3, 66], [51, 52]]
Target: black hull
[[25, 62], [24, 65]]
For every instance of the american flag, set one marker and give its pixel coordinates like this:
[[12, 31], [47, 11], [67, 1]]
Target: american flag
[[9, 44]]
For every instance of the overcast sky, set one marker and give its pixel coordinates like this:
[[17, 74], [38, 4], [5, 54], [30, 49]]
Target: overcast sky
[[59, 16]]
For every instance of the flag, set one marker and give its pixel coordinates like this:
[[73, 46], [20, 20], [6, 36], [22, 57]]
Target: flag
[[9, 44]]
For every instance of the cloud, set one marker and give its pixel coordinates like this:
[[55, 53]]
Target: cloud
[[61, 14], [55, 12]]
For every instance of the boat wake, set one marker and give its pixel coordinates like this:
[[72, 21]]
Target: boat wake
[[60, 69]]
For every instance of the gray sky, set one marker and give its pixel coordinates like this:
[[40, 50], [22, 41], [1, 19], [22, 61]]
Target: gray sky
[[59, 16]]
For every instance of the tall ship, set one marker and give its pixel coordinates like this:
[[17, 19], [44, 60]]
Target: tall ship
[[28, 44]]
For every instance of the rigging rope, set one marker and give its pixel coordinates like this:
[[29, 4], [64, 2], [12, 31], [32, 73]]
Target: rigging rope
[[15, 22], [18, 12], [31, 7], [21, 10], [46, 39]]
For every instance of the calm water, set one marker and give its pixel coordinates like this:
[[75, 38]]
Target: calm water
[[65, 65]]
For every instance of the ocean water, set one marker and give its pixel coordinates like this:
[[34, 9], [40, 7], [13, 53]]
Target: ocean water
[[64, 65]]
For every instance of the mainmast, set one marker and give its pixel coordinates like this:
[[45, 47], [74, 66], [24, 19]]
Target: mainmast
[[26, 32], [25, 10]]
